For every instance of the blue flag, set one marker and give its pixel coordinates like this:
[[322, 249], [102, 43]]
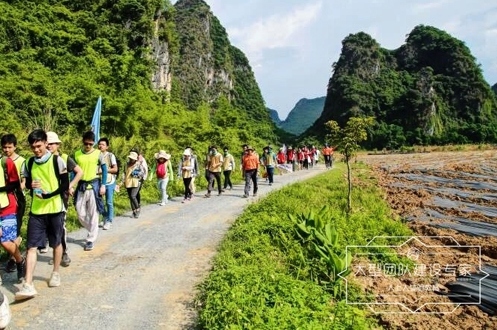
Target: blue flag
[[95, 122]]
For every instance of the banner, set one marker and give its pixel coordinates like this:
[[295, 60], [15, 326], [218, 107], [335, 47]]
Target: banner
[[95, 122]]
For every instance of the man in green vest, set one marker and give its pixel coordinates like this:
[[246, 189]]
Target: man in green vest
[[9, 146], [46, 177], [89, 202], [53, 146]]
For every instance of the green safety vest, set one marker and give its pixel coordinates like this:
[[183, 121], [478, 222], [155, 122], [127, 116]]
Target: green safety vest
[[49, 178], [89, 163]]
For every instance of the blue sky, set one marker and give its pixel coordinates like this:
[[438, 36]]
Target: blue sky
[[291, 44]]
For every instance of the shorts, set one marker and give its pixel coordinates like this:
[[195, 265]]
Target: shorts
[[41, 227], [9, 228]]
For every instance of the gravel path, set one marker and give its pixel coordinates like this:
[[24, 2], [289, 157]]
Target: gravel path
[[142, 273]]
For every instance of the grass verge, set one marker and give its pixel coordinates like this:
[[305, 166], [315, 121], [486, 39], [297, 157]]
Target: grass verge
[[260, 278]]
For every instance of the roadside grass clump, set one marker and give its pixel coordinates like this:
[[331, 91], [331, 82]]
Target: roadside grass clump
[[273, 271]]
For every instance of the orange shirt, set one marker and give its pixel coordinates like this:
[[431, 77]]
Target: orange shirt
[[328, 151], [250, 162]]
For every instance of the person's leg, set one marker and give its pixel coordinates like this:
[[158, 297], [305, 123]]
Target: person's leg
[[36, 237], [248, 183], [21, 209], [109, 201], [187, 187], [226, 179], [217, 175], [254, 180], [210, 187], [135, 205], [92, 217], [162, 191], [129, 191], [188, 193], [165, 196], [270, 174], [54, 233], [81, 209], [7, 240]]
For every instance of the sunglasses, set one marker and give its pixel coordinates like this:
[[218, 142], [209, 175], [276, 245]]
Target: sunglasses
[[88, 144]]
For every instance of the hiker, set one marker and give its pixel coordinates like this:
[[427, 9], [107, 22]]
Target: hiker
[[214, 166], [195, 171], [281, 160], [110, 185], [89, 191], [250, 166], [228, 168], [133, 179], [144, 166], [185, 169], [163, 172], [53, 144], [9, 146], [269, 162], [47, 178], [328, 156], [9, 183]]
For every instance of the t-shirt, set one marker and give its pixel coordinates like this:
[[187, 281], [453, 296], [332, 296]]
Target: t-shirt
[[110, 159], [12, 176]]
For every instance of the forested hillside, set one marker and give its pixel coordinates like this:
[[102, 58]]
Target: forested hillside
[[303, 115], [168, 75], [429, 91], [274, 116]]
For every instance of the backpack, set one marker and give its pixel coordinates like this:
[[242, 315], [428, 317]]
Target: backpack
[[118, 162]]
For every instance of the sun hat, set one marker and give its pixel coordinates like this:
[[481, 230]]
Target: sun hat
[[133, 155], [52, 137], [162, 154], [187, 152]]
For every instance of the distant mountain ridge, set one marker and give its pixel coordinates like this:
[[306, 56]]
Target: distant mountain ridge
[[430, 90], [301, 117]]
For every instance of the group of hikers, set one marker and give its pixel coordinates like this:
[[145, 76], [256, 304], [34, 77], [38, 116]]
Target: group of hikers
[[91, 177]]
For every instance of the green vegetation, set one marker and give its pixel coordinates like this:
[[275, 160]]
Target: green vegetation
[[270, 274], [348, 140], [303, 115], [430, 91], [57, 57]]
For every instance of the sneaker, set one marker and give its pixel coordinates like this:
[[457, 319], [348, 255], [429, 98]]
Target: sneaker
[[21, 270], [101, 224], [54, 280], [43, 249], [245, 196], [27, 291], [5, 314], [137, 214], [66, 261], [11, 266], [107, 225], [162, 204], [208, 195], [89, 246]]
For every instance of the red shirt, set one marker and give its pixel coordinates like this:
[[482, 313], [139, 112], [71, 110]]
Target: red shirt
[[12, 177], [280, 157]]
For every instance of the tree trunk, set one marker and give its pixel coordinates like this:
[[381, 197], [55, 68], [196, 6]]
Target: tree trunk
[[349, 179]]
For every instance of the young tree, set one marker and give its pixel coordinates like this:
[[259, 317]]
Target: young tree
[[347, 140]]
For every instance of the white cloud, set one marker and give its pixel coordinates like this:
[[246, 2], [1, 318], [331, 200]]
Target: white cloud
[[427, 6], [276, 31]]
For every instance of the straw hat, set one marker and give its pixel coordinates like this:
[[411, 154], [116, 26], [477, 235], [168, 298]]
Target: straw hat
[[133, 155], [162, 154], [52, 137]]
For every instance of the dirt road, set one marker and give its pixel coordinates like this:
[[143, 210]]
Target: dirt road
[[142, 273]]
